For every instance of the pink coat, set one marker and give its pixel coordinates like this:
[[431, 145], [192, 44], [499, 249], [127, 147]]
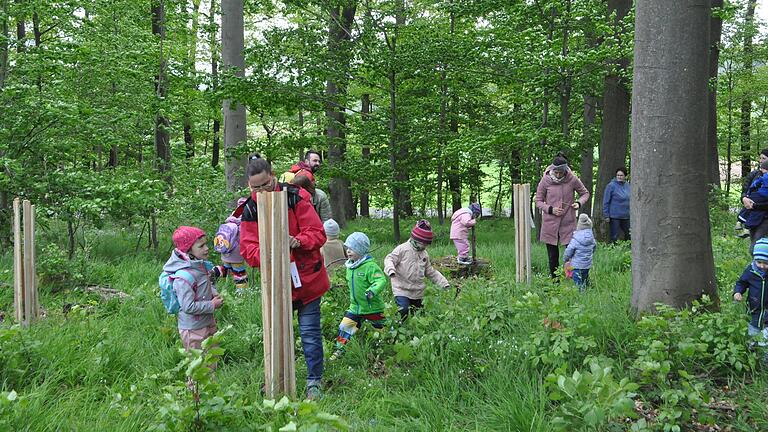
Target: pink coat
[[461, 222], [551, 194]]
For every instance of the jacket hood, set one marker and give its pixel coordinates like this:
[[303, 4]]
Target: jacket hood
[[460, 212], [178, 261], [548, 180], [298, 166], [584, 237], [618, 182]]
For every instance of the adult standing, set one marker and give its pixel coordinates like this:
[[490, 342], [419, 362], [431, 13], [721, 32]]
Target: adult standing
[[307, 236], [307, 166], [320, 200], [616, 204], [555, 200]]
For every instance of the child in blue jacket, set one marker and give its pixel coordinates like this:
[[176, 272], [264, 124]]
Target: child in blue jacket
[[752, 282], [580, 250]]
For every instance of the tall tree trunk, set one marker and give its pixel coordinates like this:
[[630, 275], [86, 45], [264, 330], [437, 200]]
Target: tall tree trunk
[[669, 117], [5, 211], [21, 31], [365, 103], [339, 33], [394, 141], [454, 177], [713, 161], [235, 133], [587, 157], [614, 137], [214, 48], [443, 141], [162, 125], [565, 86], [189, 140], [746, 101]]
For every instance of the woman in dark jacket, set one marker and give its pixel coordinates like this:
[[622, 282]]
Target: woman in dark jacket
[[616, 204]]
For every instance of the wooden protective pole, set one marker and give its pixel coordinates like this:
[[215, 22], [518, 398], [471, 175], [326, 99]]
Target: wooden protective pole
[[522, 200], [18, 267], [277, 308], [25, 300]]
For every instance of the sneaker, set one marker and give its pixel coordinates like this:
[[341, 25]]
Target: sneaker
[[336, 355], [314, 393], [464, 260], [743, 234]]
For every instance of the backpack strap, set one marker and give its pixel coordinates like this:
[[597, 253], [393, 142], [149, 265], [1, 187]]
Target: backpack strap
[[187, 276], [250, 210]]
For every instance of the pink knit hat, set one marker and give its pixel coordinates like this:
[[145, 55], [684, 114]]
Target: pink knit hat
[[422, 232], [185, 237]]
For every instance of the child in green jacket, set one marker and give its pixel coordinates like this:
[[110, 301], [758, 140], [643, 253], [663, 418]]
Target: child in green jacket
[[366, 281]]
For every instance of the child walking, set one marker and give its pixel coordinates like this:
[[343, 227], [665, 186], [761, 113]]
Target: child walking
[[408, 265], [227, 243], [462, 220], [197, 300], [366, 282], [333, 249], [580, 250], [752, 282]]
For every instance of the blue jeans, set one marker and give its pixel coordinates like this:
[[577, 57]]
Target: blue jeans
[[311, 340], [405, 305], [619, 224], [581, 278]]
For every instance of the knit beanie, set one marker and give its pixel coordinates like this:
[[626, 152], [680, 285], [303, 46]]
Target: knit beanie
[[185, 237], [584, 222], [358, 242], [475, 208], [559, 163], [422, 232], [331, 228], [760, 252]]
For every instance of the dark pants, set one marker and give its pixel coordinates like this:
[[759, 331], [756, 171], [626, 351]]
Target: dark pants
[[405, 305], [311, 340], [553, 253], [619, 224], [757, 233]]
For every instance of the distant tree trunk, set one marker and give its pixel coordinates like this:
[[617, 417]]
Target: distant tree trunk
[[746, 101], [615, 133], [189, 140], [587, 157], [454, 178], [214, 48], [339, 34], [162, 125], [5, 213], [442, 142], [365, 103], [669, 117], [565, 86], [713, 160], [235, 132]]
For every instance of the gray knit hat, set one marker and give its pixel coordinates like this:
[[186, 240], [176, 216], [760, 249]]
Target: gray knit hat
[[331, 228], [584, 222]]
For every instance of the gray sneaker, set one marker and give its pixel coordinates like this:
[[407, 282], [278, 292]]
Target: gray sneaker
[[314, 393], [464, 260]]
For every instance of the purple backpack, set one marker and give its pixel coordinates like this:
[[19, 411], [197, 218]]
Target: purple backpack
[[227, 237]]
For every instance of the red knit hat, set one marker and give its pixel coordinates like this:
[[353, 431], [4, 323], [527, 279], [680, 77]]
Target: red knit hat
[[422, 232], [185, 237]]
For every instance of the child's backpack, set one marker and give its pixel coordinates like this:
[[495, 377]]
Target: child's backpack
[[227, 238], [167, 294]]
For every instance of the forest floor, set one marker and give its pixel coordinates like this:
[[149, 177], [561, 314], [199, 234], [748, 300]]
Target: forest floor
[[499, 356]]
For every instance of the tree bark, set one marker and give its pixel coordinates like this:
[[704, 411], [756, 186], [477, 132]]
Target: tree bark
[[339, 33], [614, 136], [235, 132], [713, 160], [587, 157], [670, 215], [162, 125], [365, 103], [214, 48], [746, 101]]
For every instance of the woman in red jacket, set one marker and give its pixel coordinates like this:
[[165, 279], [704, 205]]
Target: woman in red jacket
[[307, 236]]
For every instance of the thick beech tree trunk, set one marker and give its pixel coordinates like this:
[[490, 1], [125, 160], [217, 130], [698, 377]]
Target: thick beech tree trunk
[[672, 259], [339, 33], [713, 161], [614, 137], [235, 133]]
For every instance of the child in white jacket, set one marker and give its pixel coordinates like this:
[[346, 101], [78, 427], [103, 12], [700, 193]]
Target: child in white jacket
[[408, 265]]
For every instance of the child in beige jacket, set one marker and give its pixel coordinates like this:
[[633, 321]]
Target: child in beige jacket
[[408, 265]]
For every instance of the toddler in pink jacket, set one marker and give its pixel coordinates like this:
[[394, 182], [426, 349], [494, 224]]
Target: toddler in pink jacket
[[462, 220]]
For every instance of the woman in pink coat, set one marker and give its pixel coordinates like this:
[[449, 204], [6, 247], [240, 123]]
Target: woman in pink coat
[[555, 200]]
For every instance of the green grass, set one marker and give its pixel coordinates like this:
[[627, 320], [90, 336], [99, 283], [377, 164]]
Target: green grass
[[460, 365]]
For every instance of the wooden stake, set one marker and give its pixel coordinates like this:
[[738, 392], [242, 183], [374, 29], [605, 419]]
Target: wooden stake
[[18, 266], [522, 198]]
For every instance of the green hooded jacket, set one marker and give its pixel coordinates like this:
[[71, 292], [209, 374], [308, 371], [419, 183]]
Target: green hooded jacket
[[367, 276]]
